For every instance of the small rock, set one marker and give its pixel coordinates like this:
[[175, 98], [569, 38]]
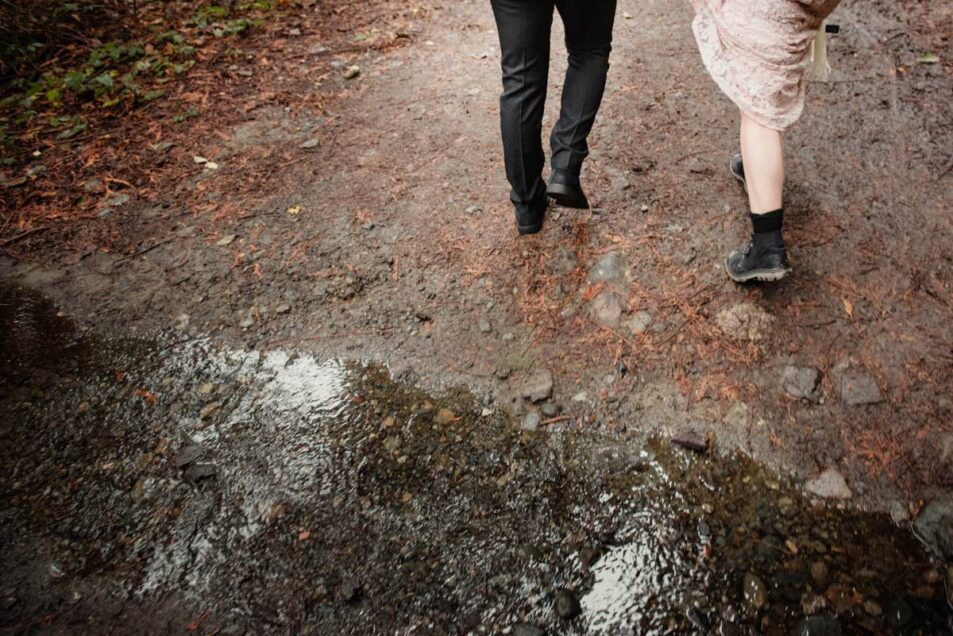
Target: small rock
[[199, 472], [94, 186], [830, 484], [562, 261], [474, 209], [934, 526], [282, 309], [311, 143], [350, 591], [391, 443], [525, 629], [502, 373], [566, 604], [802, 382], [692, 441], [858, 388], [639, 322], [188, 455], [226, 240], [352, 72], [744, 321], [549, 409], [607, 309], [818, 626], [485, 326], [609, 268], [872, 608], [755, 593], [537, 387], [530, 421]]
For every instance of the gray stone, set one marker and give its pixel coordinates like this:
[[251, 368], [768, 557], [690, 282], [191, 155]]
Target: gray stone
[[934, 526], [566, 604], [858, 388], [802, 383], [562, 262], [530, 422], [830, 484], [607, 309], [609, 268], [485, 326], [550, 409], [525, 629], [538, 386], [755, 593], [188, 455], [744, 321], [391, 443], [199, 472], [639, 322]]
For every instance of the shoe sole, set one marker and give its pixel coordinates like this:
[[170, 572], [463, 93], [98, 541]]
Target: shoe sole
[[759, 275], [529, 229], [739, 177], [567, 197]]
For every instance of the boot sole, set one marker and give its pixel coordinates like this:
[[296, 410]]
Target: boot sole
[[567, 197], [759, 275], [529, 229]]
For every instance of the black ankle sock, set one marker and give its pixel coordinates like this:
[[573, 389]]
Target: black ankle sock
[[768, 222]]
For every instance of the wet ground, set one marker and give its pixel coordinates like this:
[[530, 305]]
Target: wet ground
[[188, 486]]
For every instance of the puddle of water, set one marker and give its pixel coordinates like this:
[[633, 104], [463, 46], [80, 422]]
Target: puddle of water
[[343, 502]]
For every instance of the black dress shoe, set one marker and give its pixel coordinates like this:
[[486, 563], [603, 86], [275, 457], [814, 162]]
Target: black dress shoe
[[529, 219], [565, 189], [763, 259], [737, 168]]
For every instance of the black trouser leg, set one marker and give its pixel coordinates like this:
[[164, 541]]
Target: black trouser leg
[[589, 42], [524, 27]]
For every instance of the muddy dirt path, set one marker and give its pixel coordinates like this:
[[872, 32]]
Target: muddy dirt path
[[387, 238]]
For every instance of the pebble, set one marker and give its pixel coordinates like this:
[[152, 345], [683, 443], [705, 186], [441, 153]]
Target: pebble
[[830, 484], [744, 321], [607, 308], [550, 409], [639, 322], [755, 593], [934, 526], [525, 629], [350, 591], [199, 472], [444, 417], [485, 326], [566, 604], [310, 143], [502, 373], [352, 72], [188, 455], [858, 388], [802, 383], [538, 386], [531, 421], [391, 443], [691, 440], [819, 573], [609, 268], [474, 209]]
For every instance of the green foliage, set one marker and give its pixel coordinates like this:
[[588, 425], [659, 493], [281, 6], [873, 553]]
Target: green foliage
[[191, 113]]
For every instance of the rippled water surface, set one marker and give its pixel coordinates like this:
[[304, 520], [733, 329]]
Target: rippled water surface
[[153, 483]]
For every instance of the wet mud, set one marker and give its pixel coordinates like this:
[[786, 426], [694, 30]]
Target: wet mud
[[168, 486]]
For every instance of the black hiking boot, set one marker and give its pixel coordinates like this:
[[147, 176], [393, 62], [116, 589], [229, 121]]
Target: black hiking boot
[[565, 189], [529, 219], [737, 169], [763, 259]]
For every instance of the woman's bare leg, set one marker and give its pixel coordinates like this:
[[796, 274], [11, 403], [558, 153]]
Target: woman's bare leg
[[763, 157], [764, 258]]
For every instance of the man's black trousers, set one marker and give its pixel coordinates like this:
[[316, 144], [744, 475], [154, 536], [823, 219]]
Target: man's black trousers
[[524, 28]]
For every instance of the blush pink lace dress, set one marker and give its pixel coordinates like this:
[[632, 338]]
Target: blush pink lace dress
[[758, 52]]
